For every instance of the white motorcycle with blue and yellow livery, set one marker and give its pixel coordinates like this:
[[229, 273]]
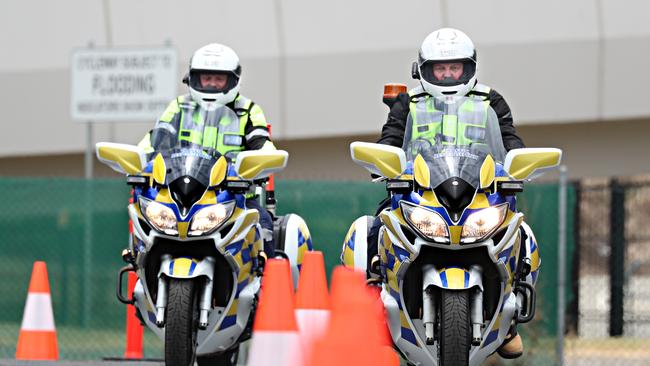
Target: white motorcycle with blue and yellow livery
[[196, 248], [451, 238]]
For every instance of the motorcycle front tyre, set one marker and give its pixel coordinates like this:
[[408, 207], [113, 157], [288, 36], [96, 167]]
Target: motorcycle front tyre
[[181, 323], [454, 329]]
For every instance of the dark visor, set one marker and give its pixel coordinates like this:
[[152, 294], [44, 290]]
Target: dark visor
[[195, 81], [469, 69]]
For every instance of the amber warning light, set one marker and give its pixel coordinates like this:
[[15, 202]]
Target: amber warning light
[[391, 91]]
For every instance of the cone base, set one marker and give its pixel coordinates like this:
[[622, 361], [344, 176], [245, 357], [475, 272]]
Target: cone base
[[275, 348], [37, 346]]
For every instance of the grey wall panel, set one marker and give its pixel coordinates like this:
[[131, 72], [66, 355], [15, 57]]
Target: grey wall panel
[[248, 27], [342, 26], [515, 22], [626, 78], [625, 18], [344, 102], [317, 68], [545, 82], [36, 34], [36, 119]]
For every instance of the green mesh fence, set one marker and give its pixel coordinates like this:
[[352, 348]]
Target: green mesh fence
[[80, 227]]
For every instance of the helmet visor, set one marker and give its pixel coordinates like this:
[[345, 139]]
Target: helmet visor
[[448, 72], [210, 81]]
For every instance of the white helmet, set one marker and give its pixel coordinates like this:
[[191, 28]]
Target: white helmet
[[446, 45], [214, 60]]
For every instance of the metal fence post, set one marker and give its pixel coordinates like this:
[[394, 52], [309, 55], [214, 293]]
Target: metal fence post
[[573, 308], [561, 260], [617, 258]]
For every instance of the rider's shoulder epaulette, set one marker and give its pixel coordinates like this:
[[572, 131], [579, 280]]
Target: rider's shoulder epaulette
[[416, 94], [242, 105], [481, 91], [186, 102]]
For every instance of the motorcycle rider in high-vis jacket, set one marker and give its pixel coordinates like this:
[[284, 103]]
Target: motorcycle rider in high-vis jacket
[[447, 67], [214, 80]]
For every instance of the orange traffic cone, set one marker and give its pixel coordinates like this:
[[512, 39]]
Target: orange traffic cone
[[37, 338], [384, 333], [275, 333], [312, 301], [353, 336]]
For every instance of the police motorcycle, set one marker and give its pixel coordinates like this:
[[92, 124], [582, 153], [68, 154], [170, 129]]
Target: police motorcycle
[[454, 261], [196, 248]]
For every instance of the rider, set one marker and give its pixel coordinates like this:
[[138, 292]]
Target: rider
[[213, 80], [447, 68]]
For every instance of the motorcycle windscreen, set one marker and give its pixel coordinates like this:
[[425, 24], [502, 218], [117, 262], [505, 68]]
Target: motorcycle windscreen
[[453, 138], [189, 162], [195, 129]]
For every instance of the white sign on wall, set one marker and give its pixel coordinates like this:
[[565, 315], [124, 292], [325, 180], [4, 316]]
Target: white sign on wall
[[130, 84]]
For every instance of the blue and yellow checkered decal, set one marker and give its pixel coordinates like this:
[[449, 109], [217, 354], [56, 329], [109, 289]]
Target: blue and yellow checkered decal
[[244, 252], [347, 256], [304, 242]]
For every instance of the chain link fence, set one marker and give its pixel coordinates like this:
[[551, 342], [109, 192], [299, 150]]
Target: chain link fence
[[80, 227], [609, 319]]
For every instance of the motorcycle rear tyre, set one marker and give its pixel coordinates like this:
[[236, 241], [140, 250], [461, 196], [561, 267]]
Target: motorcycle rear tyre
[[454, 330], [181, 323]]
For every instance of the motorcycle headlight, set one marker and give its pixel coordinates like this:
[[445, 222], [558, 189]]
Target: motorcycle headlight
[[482, 223], [426, 222], [210, 218], [161, 217]]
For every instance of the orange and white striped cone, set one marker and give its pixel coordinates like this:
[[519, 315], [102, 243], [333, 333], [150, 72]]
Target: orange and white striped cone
[[353, 336], [312, 301], [37, 338], [275, 333]]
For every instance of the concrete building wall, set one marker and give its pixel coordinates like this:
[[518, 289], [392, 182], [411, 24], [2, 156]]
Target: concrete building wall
[[569, 70]]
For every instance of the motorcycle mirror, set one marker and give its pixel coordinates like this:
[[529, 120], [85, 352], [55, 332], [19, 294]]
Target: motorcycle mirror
[[123, 158], [258, 164], [529, 163], [387, 161]]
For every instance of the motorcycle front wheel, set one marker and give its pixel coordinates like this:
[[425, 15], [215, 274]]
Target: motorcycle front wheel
[[454, 329], [181, 324]]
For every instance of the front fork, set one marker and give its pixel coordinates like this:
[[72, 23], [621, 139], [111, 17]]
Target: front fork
[[429, 308], [205, 296]]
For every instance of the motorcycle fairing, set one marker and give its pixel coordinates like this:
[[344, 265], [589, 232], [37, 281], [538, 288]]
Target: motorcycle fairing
[[184, 267], [397, 253], [452, 278], [355, 245], [240, 246], [297, 242]]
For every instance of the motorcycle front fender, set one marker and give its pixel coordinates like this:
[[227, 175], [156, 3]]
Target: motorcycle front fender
[[452, 278], [184, 267]]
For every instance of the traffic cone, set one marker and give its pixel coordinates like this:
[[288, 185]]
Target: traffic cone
[[37, 338], [134, 330], [353, 336], [384, 333], [312, 301], [275, 332]]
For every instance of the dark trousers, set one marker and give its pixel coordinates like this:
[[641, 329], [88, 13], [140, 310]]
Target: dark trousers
[[266, 221]]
